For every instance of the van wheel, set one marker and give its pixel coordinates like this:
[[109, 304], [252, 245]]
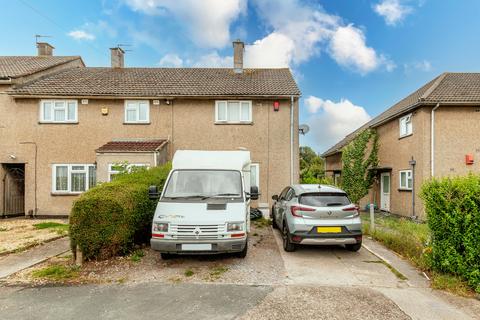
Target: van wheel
[[166, 256], [353, 247], [288, 246], [274, 223], [242, 254]]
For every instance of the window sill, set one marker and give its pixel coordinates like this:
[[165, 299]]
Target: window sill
[[136, 123], [57, 122], [55, 194], [404, 190], [233, 123], [405, 136]]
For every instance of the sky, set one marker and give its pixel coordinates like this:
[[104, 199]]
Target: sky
[[352, 59]]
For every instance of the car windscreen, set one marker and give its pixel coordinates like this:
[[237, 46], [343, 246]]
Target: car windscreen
[[204, 183], [324, 199]]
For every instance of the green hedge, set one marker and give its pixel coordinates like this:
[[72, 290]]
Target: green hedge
[[453, 212], [111, 218]]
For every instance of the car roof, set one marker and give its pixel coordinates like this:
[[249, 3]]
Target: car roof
[[309, 188]]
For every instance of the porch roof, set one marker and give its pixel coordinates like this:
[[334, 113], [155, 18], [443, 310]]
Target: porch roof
[[138, 145]]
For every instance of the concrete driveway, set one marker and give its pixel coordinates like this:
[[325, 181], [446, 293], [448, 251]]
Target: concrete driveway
[[319, 283]]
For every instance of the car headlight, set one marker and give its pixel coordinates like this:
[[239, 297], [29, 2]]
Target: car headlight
[[160, 227], [235, 226]]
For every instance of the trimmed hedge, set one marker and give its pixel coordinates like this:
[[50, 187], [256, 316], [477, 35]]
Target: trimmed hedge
[[453, 212], [111, 218]]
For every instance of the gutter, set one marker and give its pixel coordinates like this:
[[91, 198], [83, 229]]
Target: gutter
[[432, 143]]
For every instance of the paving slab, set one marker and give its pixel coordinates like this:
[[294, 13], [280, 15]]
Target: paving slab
[[15, 262]]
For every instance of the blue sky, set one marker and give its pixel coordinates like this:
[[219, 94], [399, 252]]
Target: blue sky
[[352, 58]]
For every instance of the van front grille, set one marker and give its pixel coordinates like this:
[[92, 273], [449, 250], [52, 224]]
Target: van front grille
[[193, 232]]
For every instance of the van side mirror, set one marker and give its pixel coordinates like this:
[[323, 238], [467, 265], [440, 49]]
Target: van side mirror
[[275, 197], [153, 193], [254, 193]]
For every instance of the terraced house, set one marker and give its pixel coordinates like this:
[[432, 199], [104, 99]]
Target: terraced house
[[64, 127], [433, 132]]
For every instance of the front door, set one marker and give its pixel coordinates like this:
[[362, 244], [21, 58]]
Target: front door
[[14, 190], [385, 191]]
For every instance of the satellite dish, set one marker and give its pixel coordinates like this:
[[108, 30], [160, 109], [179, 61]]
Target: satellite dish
[[303, 129]]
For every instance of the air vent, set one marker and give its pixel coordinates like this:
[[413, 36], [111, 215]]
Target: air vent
[[216, 206]]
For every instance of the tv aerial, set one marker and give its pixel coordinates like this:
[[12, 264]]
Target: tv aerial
[[303, 129]]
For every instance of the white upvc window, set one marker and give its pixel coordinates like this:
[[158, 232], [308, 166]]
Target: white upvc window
[[406, 126], [58, 111], [233, 111], [255, 175], [406, 180], [117, 168], [73, 178], [137, 111]]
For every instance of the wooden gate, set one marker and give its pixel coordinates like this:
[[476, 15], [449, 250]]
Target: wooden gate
[[14, 191]]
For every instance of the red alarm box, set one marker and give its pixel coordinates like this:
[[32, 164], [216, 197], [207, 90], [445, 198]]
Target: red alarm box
[[276, 106], [469, 159]]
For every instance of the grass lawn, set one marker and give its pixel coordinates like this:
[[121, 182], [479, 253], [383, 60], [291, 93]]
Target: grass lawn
[[410, 239], [60, 228]]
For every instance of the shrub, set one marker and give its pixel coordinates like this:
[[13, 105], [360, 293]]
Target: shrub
[[453, 213], [109, 219]]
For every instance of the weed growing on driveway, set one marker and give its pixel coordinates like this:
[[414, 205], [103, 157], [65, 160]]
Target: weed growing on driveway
[[218, 271], [137, 255], [56, 272], [189, 273]]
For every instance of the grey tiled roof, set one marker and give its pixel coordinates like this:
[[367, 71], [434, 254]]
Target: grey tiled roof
[[17, 66], [453, 88], [132, 146], [152, 82]]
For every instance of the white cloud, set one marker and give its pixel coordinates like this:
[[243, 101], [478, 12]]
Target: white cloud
[[208, 21], [393, 11], [171, 60], [424, 65], [214, 60], [348, 47], [81, 35], [332, 121]]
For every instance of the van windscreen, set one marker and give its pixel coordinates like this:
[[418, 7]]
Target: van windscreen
[[324, 199], [204, 183]]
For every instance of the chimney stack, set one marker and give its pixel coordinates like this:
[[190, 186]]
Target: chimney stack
[[117, 55], [44, 49], [238, 48]]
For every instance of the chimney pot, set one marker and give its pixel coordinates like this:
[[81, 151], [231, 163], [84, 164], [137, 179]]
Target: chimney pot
[[117, 57], [45, 49], [238, 48]]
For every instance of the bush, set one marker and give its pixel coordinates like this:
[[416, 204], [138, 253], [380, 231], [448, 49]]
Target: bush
[[111, 218], [453, 213]]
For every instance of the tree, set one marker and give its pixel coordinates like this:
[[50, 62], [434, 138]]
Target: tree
[[311, 166], [359, 158]]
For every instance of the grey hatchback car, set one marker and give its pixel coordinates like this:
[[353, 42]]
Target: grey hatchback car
[[315, 214]]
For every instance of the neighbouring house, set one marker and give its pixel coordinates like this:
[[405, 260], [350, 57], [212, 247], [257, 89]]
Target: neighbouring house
[[65, 127], [433, 132]]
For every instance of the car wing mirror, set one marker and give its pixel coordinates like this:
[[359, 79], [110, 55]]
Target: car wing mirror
[[275, 197], [153, 193]]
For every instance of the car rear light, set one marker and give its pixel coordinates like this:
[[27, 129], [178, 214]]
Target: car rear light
[[296, 238], [294, 210], [355, 208], [358, 238], [158, 235]]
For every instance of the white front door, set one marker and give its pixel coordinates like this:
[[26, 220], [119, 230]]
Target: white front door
[[385, 191]]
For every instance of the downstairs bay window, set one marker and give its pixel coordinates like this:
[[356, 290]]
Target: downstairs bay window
[[73, 178]]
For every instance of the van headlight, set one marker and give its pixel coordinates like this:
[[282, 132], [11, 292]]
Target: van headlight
[[235, 226], [160, 227]]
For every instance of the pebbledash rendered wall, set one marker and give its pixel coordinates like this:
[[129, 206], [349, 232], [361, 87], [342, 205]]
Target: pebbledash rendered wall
[[185, 123]]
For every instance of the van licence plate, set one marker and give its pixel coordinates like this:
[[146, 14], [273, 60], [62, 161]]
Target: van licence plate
[[197, 246]]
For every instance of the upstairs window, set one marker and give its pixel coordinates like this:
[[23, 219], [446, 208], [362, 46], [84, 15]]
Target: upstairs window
[[58, 111], [233, 111], [406, 127], [73, 178], [406, 180], [137, 111]]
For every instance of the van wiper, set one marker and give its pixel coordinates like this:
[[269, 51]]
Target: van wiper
[[188, 197], [221, 195]]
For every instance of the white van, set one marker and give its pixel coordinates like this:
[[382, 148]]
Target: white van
[[204, 207]]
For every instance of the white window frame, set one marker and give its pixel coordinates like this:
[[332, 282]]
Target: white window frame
[[52, 111], [111, 171], [406, 125], [137, 111], [69, 176], [408, 177], [336, 178], [256, 167], [220, 121]]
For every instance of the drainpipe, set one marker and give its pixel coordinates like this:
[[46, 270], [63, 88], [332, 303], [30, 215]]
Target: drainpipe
[[413, 163], [291, 139], [432, 143]]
